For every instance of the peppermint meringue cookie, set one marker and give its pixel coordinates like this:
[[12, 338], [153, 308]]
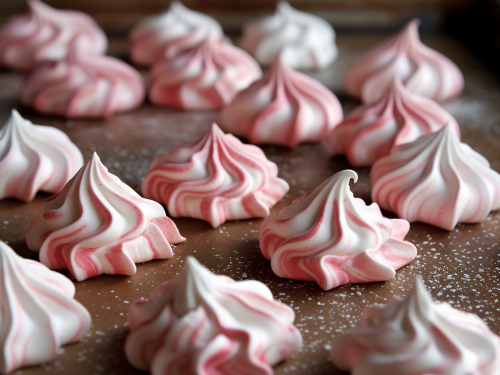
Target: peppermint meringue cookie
[[372, 130], [423, 70], [170, 33], [436, 180], [417, 336], [215, 178], [330, 237], [284, 107], [205, 77], [97, 224], [39, 314], [305, 41], [34, 158], [47, 34], [202, 324]]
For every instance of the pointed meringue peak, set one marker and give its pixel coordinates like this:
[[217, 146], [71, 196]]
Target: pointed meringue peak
[[200, 318], [39, 314], [436, 180], [418, 336], [34, 158], [330, 237], [215, 178], [97, 224]]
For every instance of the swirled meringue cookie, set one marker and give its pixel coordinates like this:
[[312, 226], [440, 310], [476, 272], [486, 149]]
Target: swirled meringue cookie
[[203, 324], [436, 180], [305, 41], [423, 70], [205, 77], [97, 224], [215, 178], [39, 314], [284, 107], [417, 336], [83, 86], [46, 34], [330, 237], [170, 33], [34, 158], [372, 130]]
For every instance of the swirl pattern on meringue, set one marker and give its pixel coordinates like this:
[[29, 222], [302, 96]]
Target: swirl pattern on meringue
[[39, 314], [284, 107], [97, 224], [436, 180], [202, 324], [372, 130], [330, 237], [47, 34], [305, 41], [423, 70], [215, 179], [34, 158], [417, 336]]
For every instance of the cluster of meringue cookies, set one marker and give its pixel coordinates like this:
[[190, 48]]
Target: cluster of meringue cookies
[[201, 323]]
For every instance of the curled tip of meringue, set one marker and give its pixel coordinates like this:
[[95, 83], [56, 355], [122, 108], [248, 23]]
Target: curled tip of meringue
[[348, 174]]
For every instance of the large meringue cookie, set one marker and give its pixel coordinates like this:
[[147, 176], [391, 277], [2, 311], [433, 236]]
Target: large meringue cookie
[[436, 180], [170, 33], [46, 34], [284, 107], [372, 130], [83, 86], [203, 324], [216, 178], [330, 237], [34, 158], [97, 225], [414, 335], [39, 314], [305, 41], [205, 77], [423, 70]]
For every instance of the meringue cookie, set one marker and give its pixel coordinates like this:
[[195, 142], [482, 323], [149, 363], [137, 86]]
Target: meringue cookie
[[415, 335], [436, 180], [330, 237], [34, 158], [216, 178], [46, 34], [202, 324], [284, 107], [39, 314], [305, 41], [372, 130], [170, 33], [205, 77], [423, 70], [97, 225]]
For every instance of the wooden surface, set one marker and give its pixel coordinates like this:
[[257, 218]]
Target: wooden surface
[[460, 267]]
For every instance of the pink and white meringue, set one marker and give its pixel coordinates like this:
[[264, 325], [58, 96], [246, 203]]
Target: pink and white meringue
[[47, 34], [34, 158], [423, 70], [97, 224], [215, 178], [417, 336], [205, 77], [205, 324], [305, 41], [436, 180], [170, 33], [330, 237], [372, 130], [284, 107], [39, 314]]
